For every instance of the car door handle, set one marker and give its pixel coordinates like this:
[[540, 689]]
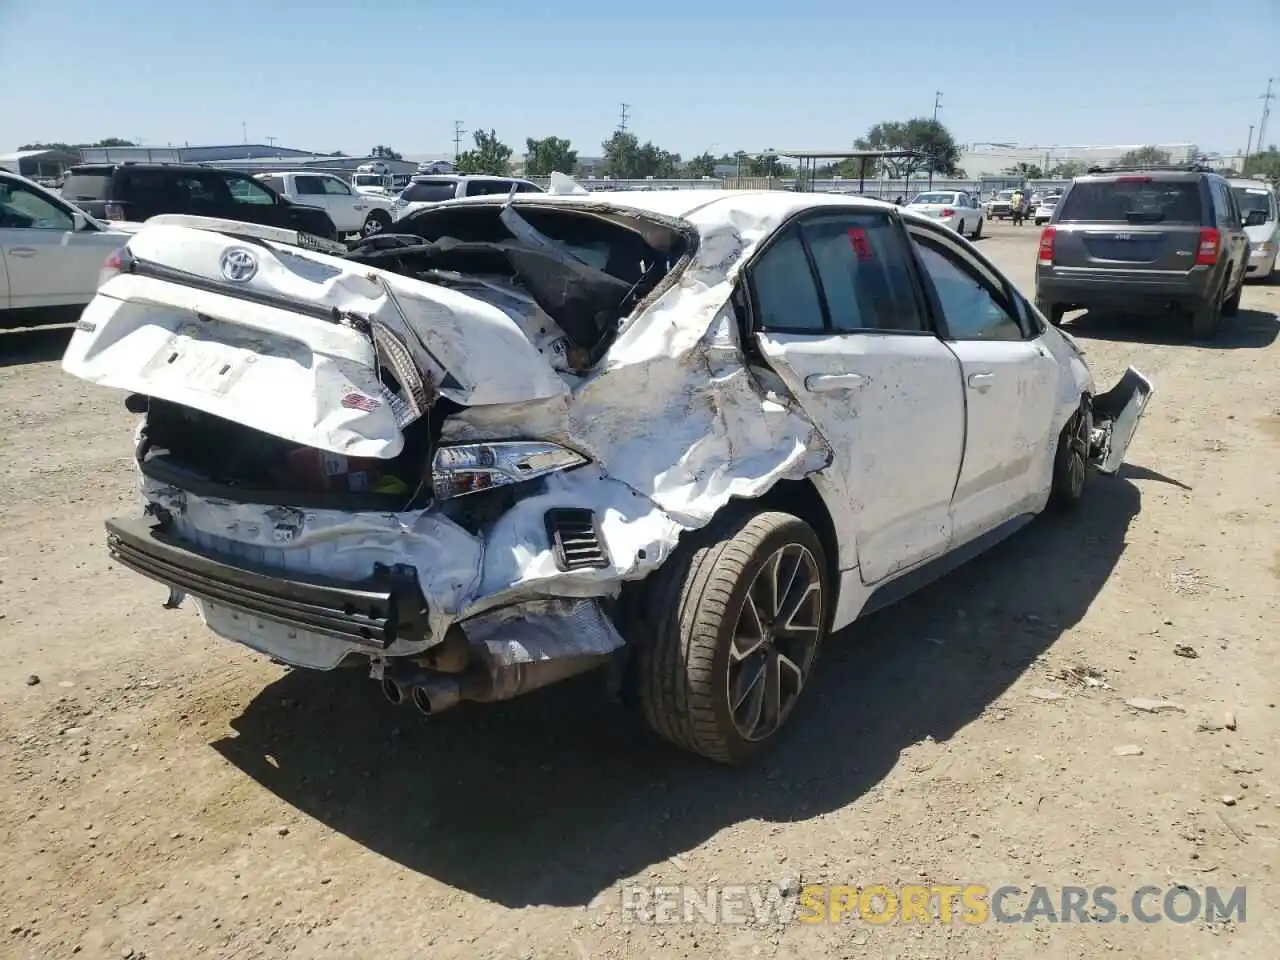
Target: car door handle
[[22, 251], [981, 381], [828, 382]]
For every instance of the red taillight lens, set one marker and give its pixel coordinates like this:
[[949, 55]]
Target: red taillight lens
[[1210, 244], [114, 211], [1047, 236], [114, 265], [948, 212]]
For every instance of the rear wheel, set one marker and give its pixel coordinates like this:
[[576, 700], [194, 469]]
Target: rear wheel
[[739, 614], [1206, 318], [1232, 304], [977, 233], [375, 222], [1053, 311]]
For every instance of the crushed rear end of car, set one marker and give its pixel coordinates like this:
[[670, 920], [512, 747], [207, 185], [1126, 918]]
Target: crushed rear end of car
[[444, 452]]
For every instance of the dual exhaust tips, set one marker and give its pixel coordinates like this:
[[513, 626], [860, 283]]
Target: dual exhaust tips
[[430, 694]]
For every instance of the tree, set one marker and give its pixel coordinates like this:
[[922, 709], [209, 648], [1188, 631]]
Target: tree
[[490, 155], [1067, 169], [108, 142], [549, 155], [766, 164], [1149, 156], [383, 152], [625, 158], [703, 165], [922, 134], [1265, 164], [1029, 171], [336, 153]]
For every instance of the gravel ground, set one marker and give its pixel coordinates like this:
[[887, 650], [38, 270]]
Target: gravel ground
[[170, 795]]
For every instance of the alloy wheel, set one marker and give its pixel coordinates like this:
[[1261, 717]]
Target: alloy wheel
[[774, 641]]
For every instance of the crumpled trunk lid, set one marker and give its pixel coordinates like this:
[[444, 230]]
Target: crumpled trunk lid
[[307, 347]]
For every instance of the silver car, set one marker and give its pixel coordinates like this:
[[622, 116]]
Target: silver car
[[1257, 200]]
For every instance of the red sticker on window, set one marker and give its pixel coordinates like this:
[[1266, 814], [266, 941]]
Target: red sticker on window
[[861, 249]]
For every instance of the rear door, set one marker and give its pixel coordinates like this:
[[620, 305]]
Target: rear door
[[251, 202], [1010, 383], [346, 208], [838, 316], [1134, 223], [47, 261]]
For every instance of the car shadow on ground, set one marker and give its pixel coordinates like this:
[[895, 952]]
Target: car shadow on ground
[[20, 347], [552, 798], [1248, 330]]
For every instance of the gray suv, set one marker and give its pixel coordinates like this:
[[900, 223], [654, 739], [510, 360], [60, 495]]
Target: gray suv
[[1145, 240]]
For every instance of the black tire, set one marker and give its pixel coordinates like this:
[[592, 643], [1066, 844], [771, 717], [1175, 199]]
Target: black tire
[[1231, 306], [375, 222], [695, 607], [1071, 461], [977, 233], [1052, 311], [1206, 318]]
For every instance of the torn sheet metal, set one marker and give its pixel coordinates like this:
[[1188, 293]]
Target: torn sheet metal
[[674, 420], [543, 630]]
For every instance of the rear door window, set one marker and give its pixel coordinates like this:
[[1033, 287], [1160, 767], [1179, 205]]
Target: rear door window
[[1133, 200], [431, 191], [88, 186], [309, 186], [481, 188], [863, 272], [243, 190]]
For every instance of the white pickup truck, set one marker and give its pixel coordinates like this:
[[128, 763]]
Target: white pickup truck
[[351, 212]]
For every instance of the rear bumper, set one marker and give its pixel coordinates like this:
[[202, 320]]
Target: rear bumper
[[372, 614], [1122, 288]]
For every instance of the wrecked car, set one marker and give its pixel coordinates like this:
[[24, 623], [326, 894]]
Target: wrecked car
[[679, 437]]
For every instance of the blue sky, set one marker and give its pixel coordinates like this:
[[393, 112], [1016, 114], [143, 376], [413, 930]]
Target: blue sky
[[743, 74]]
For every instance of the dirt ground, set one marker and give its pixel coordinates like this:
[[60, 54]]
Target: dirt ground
[[170, 795]]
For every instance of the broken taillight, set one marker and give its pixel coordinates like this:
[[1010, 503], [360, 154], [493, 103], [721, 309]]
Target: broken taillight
[[1047, 237], [1207, 250], [120, 261], [948, 212]]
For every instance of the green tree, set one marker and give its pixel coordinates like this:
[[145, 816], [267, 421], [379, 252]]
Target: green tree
[[549, 155], [625, 158], [703, 165], [108, 142], [1265, 165], [1030, 171], [383, 152], [490, 155], [1149, 156], [766, 164], [1067, 169], [924, 135]]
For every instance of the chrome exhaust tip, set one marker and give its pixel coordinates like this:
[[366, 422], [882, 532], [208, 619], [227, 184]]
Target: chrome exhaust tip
[[435, 696], [393, 691]]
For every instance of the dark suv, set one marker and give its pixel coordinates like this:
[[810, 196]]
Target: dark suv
[[1145, 240], [138, 191]]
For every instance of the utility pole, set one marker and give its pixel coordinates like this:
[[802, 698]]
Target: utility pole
[[457, 139], [937, 102], [1266, 112], [244, 131], [622, 119], [1247, 147], [271, 141]]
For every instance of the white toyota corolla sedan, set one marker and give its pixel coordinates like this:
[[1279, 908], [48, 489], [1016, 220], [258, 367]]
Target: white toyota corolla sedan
[[683, 435]]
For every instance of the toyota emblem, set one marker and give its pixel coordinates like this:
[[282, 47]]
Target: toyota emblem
[[239, 265]]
